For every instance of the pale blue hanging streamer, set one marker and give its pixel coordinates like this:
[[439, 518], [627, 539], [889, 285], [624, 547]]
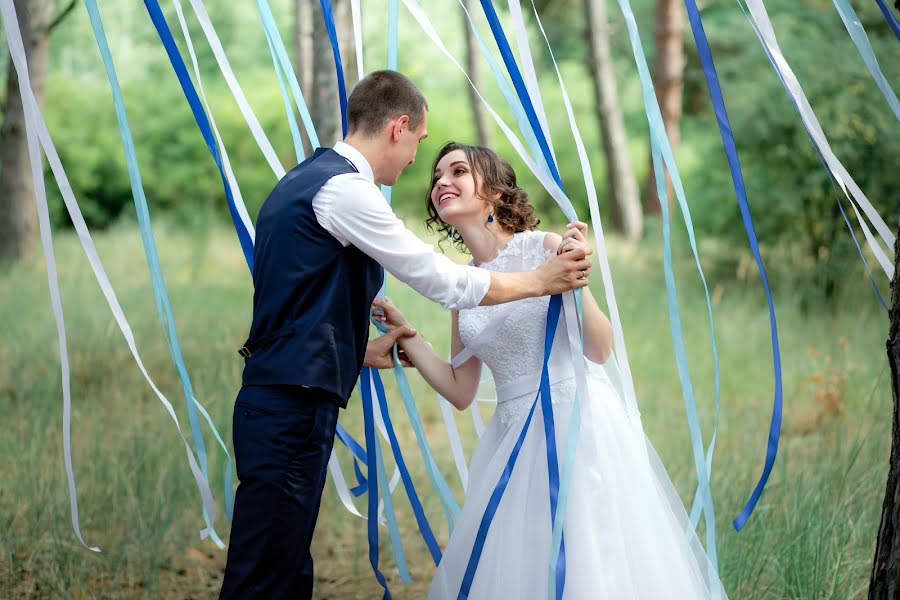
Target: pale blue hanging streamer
[[163, 305], [286, 71], [661, 151], [859, 37]]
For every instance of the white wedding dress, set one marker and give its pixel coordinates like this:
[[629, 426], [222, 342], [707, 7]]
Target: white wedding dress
[[626, 531]]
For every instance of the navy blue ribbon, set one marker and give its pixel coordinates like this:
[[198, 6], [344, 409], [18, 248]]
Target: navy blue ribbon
[[369, 424], [546, 407], [521, 89], [500, 488], [418, 511], [338, 66], [550, 438], [359, 453], [715, 92], [187, 86], [889, 17]]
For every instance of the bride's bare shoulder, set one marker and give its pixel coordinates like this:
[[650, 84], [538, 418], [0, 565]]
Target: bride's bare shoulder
[[551, 240]]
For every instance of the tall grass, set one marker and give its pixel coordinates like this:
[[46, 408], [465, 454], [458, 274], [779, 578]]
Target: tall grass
[[811, 537]]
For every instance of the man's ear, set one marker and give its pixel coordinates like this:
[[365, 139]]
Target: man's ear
[[398, 126]]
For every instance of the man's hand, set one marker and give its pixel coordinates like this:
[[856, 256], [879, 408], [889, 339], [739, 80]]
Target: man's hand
[[379, 353], [568, 269]]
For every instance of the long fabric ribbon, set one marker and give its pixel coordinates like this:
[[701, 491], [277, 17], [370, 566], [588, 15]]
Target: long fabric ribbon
[[861, 40], [223, 153], [715, 92], [163, 304], [338, 66], [660, 144], [285, 71], [500, 487], [889, 17], [386, 503], [622, 373], [372, 450], [512, 100], [520, 86], [556, 582], [762, 27], [414, 501], [222, 60], [758, 19], [35, 123], [528, 70], [162, 28]]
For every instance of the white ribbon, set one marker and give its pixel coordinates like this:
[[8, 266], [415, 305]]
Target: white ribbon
[[546, 181], [762, 26], [357, 37], [249, 116], [605, 272], [528, 73], [226, 164]]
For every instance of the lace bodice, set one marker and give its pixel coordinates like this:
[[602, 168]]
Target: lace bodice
[[516, 351]]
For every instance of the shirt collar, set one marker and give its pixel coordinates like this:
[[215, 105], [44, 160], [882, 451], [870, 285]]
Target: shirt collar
[[355, 156]]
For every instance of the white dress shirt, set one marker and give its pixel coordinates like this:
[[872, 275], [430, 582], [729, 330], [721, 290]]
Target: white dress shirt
[[352, 209]]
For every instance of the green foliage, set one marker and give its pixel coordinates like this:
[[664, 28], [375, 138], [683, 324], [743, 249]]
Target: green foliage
[[793, 202]]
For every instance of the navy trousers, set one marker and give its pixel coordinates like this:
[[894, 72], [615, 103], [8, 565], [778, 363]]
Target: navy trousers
[[283, 437]]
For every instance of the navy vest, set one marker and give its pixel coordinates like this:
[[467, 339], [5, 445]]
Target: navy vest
[[312, 296]]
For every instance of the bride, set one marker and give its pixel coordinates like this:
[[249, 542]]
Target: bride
[[626, 533]]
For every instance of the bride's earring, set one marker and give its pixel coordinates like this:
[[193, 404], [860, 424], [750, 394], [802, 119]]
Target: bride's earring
[[450, 233], [490, 218]]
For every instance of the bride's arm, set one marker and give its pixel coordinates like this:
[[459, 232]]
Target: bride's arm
[[597, 328], [458, 385]]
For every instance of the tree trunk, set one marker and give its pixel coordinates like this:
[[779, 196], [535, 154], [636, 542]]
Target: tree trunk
[[18, 217], [667, 79], [885, 582], [325, 107], [303, 53], [622, 190], [473, 66]]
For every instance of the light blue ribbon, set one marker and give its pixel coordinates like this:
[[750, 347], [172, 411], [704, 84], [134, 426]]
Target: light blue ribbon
[[286, 70], [163, 305], [724, 124], [418, 511], [661, 149], [859, 37], [515, 106], [372, 450]]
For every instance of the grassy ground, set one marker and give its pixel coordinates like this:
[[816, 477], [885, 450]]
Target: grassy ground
[[811, 537]]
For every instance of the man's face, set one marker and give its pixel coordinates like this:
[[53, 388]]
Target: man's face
[[408, 145]]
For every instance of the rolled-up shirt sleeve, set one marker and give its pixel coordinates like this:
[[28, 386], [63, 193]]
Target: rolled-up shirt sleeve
[[353, 210]]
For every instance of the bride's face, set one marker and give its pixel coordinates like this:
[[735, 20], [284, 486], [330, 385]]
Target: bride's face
[[454, 192]]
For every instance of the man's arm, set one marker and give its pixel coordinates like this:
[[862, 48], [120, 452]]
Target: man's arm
[[558, 274], [353, 210]]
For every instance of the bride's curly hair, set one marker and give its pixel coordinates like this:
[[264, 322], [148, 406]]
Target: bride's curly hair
[[492, 176]]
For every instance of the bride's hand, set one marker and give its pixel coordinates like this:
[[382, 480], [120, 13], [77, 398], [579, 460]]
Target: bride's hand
[[384, 310], [574, 237]]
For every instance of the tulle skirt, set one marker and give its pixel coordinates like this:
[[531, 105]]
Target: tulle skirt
[[626, 531]]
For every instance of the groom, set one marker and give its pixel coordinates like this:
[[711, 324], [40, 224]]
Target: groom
[[322, 238]]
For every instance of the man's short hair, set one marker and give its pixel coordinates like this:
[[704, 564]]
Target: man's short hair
[[381, 96]]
